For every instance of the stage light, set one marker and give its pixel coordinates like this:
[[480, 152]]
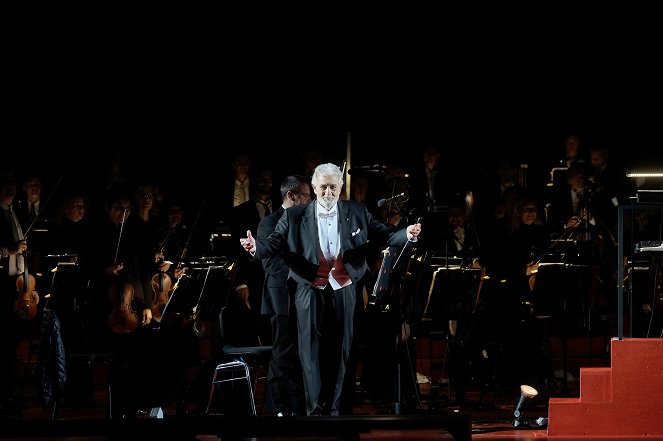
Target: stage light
[[644, 175], [649, 185], [526, 393]]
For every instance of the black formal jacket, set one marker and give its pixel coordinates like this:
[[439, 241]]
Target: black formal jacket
[[275, 294], [297, 230]]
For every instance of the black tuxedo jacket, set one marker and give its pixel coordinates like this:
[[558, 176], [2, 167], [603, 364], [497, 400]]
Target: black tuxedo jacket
[[297, 232], [275, 294]]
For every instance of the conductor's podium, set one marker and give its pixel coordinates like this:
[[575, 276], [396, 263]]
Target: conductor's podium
[[623, 401]]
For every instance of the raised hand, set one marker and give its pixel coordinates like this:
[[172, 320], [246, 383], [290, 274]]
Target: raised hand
[[248, 243], [413, 231]]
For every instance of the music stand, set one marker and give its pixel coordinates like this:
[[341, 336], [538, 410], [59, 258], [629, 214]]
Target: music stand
[[194, 302], [183, 303]]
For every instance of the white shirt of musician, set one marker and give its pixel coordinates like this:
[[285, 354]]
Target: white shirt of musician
[[241, 192], [459, 238], [16, 264]]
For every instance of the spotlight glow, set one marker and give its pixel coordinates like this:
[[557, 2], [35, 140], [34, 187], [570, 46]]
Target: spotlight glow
[[644, 175]]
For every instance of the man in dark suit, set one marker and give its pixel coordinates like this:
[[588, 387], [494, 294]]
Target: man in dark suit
[[284, 377], [327, 246]]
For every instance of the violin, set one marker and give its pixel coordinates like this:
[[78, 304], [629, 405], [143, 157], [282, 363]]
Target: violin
[[28, 299], [161, 284], [123, 318]]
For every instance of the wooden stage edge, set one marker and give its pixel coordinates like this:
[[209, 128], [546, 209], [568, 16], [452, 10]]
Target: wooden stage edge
[[458, 425]]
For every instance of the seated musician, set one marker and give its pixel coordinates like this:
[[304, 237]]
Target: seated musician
[[523, 316], [124, 265], [12, 248], [462, 239]]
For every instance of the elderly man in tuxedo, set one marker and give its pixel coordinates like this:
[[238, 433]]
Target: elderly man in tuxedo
[[327, 246]]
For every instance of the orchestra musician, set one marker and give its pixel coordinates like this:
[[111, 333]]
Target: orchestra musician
[[70, 245], [12, 253], [517, 318], [125, 261]]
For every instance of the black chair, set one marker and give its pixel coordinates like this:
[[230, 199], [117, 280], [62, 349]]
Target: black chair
[[240, 360], [52, 364]]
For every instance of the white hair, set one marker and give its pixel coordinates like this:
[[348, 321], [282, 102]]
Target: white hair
[[327, 169]]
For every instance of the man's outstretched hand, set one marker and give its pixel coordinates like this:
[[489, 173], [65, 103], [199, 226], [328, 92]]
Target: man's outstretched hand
[[248, 243], [412, 232]]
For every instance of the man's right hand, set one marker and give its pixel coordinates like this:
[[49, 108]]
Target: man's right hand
[[19, 248], [248, 243]]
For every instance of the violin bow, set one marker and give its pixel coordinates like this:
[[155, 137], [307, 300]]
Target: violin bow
[[119, 238], [195, 222]]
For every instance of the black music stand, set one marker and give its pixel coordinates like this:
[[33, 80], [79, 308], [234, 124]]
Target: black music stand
[[452, 303], [195, 298], [198, 298], [387, 310]]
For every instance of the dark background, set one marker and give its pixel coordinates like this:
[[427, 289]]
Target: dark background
[[180, 113]]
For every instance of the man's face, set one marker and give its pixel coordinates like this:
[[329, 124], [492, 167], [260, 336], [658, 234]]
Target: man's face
[[119, 211], [303, 195], [528, 214], [75, 209], [264, 184], [32, 189], [144, 198], [327, 189], [577, 182], [456, 220]]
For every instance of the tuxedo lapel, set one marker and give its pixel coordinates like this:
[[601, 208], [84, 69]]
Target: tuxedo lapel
[[344, 226], [309, 234]]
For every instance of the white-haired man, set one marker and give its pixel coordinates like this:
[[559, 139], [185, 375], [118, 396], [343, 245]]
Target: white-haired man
[[327, 246]]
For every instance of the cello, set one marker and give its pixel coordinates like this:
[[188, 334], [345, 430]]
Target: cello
[[123, 318]]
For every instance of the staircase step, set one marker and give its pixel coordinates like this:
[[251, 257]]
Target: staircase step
[[595, 385], [621, 401]]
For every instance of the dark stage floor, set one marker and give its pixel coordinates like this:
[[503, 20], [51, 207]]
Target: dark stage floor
[[486, 415]]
